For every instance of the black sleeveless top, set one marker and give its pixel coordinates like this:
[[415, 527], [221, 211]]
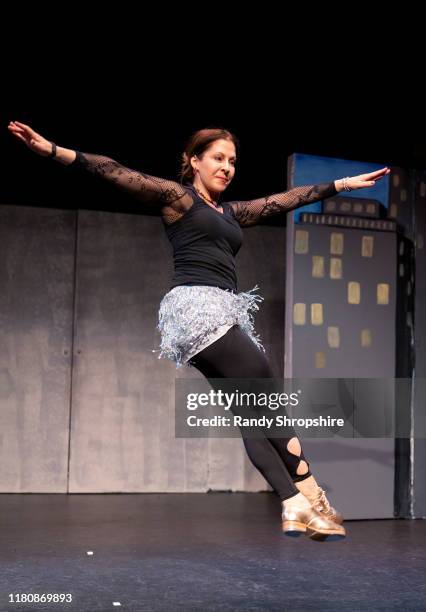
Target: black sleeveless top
[[205, 243]]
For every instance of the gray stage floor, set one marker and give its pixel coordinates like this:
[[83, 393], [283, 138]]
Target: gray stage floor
[[218, 551]]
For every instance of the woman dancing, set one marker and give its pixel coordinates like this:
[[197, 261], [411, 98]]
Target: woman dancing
[[203, 320]]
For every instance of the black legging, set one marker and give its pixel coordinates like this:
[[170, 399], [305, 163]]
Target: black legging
[[235, 355]]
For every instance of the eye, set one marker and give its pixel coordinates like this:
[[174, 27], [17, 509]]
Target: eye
[[219, 158]]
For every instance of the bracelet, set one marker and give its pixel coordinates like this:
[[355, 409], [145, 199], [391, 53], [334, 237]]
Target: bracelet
[[53, 153], [345, 184]]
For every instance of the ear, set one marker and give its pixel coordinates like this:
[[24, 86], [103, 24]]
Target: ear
[[194, 162]]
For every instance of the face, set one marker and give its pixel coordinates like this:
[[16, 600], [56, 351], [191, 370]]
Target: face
[[216, 169]]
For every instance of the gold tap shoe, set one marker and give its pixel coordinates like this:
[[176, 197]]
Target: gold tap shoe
[[322, 505], [296, 521]]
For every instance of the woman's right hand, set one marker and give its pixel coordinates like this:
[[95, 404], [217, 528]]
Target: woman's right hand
[[34, 141]]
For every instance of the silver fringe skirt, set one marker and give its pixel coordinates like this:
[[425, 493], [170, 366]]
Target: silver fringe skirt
[[191, 317]]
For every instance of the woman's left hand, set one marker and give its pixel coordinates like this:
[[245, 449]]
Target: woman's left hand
[[362, 180]]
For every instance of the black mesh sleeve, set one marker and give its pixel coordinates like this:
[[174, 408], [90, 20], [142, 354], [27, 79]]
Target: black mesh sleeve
[[145, 188], [251, 212]]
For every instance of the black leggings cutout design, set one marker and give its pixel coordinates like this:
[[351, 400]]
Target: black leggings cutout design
[[234, 355]]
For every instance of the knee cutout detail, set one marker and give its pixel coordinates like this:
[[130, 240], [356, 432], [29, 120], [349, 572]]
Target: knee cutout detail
[[294, 447], [302, 468]]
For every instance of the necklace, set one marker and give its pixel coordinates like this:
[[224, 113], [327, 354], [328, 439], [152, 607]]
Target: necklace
[[206, 198]]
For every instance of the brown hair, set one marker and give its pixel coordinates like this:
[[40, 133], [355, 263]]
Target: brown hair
[[197, 144]]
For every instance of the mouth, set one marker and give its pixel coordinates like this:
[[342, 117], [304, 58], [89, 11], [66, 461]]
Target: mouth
[[221, 178]]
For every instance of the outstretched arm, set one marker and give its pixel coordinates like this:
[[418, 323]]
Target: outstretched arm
[[250, 212], [146, 188]]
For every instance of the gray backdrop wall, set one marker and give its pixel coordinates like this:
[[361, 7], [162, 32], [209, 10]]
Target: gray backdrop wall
[[85, 405]]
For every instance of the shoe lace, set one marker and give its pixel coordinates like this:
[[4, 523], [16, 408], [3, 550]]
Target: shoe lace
[[321, 499]]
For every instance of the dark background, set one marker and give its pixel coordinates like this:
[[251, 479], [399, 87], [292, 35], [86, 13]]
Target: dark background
[[142, 119]]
